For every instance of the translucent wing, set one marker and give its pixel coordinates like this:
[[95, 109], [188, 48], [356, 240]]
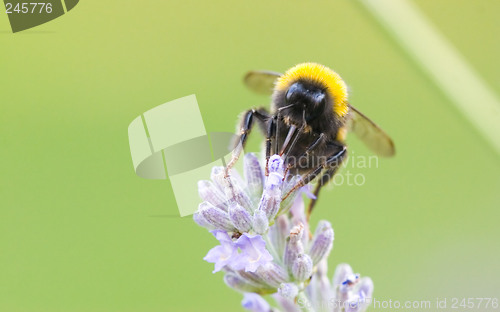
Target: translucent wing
[[371, 134], [261, 81]]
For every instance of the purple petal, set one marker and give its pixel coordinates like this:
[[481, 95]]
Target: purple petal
[[223, 254], [255, 303], [275, 164], [366, 288], [306, 189], [253, 253], [274, 180]]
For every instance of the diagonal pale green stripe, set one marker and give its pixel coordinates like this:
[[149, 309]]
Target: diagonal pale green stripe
[[443, 63], [174, 122], [187, 155], [164, 126], [145, 125], [139, 144], [170, 141], [147, 164]]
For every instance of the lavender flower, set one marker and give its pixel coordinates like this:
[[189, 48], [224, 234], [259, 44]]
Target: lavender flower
[[216, 217], [288, 291], [266, 246], [255, 303], [273, 274], [240, 283], [322, 243], [253, 253], [260, 222], [223, 254], [302, 267], [240, 218], [294, 246], [353, 293]]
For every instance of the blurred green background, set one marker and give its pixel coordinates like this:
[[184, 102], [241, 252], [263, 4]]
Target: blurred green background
[[79, 231]]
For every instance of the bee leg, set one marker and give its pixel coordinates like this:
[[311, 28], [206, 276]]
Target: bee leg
[[286, 147], [293, 161], [270, 133], [333, 161], [246, 126], [325, 178], [278, 118]]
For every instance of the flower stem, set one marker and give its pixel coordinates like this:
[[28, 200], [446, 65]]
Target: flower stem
[[304, 303]]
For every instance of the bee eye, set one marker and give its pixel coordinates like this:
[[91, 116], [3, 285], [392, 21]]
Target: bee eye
[[293, 92]]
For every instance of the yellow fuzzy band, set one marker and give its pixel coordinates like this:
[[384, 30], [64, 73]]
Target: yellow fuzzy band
[[321, 75]]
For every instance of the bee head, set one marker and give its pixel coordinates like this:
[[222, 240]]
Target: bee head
[[312, 90], [304, 100]]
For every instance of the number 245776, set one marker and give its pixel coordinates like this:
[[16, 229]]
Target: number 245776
[[28, 8]]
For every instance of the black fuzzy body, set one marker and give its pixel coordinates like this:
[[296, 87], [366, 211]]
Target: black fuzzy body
[[315, 118]]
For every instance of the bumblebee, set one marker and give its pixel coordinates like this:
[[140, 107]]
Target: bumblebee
[[307, 124]]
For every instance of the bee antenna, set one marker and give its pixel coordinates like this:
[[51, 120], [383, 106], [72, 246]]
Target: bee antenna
[[285, 107], [278, 116]]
